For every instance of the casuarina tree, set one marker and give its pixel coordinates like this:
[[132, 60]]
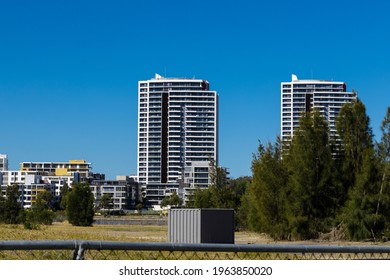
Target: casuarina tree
[[79, 205]]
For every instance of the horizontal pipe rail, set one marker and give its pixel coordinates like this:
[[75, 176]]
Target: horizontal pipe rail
[[80, 246], [269, 248], [39, 245]]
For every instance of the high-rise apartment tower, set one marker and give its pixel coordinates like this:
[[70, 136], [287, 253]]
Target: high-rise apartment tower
[[177, 126], [300, 96], [3, 162]]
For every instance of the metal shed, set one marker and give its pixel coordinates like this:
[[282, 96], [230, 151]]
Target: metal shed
[[201, 226]]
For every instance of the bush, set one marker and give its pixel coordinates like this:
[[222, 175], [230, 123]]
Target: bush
[[79, 201]]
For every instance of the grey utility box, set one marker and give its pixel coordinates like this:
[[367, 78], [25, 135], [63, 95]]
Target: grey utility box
[[201, 226]]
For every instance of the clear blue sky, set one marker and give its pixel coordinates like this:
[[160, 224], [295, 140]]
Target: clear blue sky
[[69, 69]]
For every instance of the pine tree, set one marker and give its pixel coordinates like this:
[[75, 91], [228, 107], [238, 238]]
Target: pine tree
[[2, 208], [64, 193], [364, 215], [353, 127], [265, 199], [383, 203], [360, 216], [79, 202], [384, 154], [12, 207], [312, 184]]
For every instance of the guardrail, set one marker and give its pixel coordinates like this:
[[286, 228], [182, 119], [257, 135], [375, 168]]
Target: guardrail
[[106, 250]]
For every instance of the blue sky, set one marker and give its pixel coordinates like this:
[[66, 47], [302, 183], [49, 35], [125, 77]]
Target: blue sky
[[69, 69]]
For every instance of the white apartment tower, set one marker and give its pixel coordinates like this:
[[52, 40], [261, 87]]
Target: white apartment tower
[[3, 162], [177, 125], [300, 96]]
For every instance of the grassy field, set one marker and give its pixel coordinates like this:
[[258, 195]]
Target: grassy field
[[65, 231], [126, 233]]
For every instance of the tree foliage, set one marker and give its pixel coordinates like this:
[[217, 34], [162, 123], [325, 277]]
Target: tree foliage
[[367, 211], [294, 194], [312, 186], [316, 183], [384, 155], [79, 202], [353, 127], [105, 201], [359, 215], [265, 202], [384, 145], [2, 208], [218, 175], [64, 193], [172, 200], [40, 212], [222, 192], [12, 206]]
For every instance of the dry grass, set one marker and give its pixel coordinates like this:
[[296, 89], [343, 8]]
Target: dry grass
[[65, 231], [131, 233], [126, 233]]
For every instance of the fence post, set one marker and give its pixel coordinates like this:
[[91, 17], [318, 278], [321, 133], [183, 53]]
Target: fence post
[[75, 252], [78, 252]]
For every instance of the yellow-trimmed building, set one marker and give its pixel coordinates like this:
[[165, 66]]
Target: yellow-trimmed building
[[59, 168]]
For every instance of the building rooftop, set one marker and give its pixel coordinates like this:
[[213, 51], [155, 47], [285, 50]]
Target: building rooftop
[[294, 79], [159, 77]]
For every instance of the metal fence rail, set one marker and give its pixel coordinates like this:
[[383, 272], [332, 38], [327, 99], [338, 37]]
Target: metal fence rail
[[106, 250]]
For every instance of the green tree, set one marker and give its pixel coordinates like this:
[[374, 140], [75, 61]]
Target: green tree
[[218, 175], [40, 212], [12, 207], [2, 208], [79, 202], [204, 198], [240, 185], [384, 145], [217, 194], [105, 201], [165, 201], [42, 208], [313, 197], [222, 192], [264, 203], [172, 200], [175, 200], [366, 211], [384, 154], [64, 193], [359, 216], [353, 127]]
